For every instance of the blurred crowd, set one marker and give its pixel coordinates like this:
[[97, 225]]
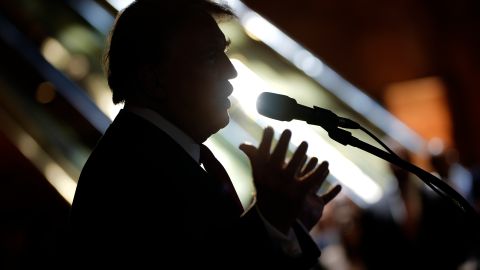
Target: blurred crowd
[[410, 227]]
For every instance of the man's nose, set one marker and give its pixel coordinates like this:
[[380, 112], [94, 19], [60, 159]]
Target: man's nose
[[230, 69]]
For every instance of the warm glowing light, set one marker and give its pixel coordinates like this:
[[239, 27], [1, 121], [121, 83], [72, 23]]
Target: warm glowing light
[[55, 53], [45, 92], [78, 67], [59, 179], [27, 146], [435, 146], [423, 105]]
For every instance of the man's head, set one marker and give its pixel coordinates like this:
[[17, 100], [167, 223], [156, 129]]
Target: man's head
[[170, 56]]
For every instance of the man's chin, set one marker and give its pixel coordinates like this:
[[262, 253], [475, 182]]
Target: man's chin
[[222, 122], [215, 125]]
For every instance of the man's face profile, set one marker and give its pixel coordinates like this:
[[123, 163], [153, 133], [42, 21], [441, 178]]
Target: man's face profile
[[196, 77]]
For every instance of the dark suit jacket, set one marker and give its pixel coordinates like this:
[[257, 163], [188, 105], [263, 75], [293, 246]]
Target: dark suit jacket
[[141, 200]]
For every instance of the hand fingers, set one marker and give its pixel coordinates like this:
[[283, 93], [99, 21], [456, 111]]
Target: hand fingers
[[298, 159], [310, 166], [327, 197], [278, 156], [249, 150], [299, 171], [314, 179], [266, 143]]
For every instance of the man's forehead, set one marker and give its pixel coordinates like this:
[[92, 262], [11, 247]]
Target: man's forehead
[[202, 31]]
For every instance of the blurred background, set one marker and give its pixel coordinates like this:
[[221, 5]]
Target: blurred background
[[407, 71]]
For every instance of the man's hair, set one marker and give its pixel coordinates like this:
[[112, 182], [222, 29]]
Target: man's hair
[[140, 38]]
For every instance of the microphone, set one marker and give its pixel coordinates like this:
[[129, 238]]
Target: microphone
[[284, 108]]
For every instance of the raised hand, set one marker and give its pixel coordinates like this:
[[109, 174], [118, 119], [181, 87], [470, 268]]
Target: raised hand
[[285, 189]]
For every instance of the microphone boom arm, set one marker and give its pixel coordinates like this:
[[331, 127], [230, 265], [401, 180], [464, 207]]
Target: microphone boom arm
[[443, 189]]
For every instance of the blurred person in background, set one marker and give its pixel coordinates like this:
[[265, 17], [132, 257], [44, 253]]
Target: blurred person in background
[[412, 227], [338, 234], [445, 163]]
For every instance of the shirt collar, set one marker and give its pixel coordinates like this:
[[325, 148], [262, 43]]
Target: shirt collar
[[185, 141]]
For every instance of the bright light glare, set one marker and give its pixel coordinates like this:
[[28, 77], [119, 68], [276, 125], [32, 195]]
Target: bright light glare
[[119, 4], [59, 179], [257, 27], [247, 87]]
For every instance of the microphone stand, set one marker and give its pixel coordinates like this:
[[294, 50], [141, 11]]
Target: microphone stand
[[442, 188]]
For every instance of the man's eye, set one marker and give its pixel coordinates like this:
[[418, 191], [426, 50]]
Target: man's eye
[[211, 57]]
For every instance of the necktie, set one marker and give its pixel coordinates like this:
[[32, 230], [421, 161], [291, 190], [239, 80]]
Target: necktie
[[217, 171]]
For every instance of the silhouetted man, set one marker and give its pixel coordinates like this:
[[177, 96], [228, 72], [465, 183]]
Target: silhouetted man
[[144, 200]]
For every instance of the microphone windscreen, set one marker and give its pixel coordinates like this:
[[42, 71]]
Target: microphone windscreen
[[276, 106]]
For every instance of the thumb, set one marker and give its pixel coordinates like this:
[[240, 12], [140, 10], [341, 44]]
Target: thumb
[[327, 197], [248, 149]]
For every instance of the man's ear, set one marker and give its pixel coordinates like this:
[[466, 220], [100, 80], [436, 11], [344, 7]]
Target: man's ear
[[151, 81]]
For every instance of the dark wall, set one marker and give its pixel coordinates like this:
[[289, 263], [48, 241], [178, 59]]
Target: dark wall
[[33, 216]]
